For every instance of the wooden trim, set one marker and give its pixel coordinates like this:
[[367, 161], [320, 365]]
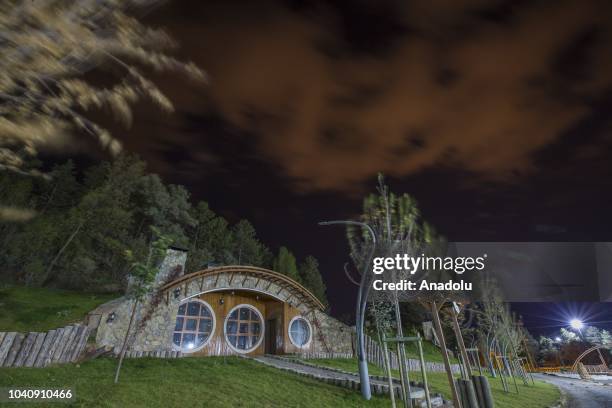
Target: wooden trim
[[282, 280]]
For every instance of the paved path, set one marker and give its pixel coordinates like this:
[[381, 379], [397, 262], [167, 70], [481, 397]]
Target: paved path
[[323, 373], [581, 394]]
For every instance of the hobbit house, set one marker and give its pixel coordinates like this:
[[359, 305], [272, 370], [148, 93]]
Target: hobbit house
[[220, 311]]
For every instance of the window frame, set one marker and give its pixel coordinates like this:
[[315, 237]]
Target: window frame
[[261, 333], [311, 333], [199, 317]]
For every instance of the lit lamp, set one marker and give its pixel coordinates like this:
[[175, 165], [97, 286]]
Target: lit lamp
[[177, 293], [576, 324], [111, 317]]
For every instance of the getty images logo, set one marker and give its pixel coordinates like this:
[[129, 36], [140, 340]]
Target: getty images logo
[[414, 264]]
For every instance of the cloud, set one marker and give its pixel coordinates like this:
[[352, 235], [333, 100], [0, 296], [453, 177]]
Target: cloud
[[474, 85]]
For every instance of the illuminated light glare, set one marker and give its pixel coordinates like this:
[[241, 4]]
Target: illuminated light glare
[[576, 324], [557, 339], [190, 345]]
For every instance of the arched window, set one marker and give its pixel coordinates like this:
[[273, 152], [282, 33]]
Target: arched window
[[244, 328], [300, 332], [195, 323]]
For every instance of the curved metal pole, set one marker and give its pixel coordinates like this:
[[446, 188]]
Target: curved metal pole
[[362, 299]]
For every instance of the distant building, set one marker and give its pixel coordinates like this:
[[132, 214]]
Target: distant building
[[222, 310]]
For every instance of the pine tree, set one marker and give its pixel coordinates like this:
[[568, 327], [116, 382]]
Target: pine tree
[[247, 250], [210, 239], [311, 278], [285, 263]]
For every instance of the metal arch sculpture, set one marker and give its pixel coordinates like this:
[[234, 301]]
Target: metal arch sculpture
[[587, 352]]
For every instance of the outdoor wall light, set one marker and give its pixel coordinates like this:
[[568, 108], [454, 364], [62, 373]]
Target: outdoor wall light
[[221, 301], [111, 317], [177, 293]]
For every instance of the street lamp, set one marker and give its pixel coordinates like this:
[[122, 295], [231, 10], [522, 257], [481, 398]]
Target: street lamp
[[362, 300]]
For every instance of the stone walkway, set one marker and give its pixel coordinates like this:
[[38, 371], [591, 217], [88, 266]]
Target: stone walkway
[[336, 377], [581, 393]]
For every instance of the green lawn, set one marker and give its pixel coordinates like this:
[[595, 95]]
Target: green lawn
[[39, 309], [219, 382], [430, 352], [186, 382], [533, 396]]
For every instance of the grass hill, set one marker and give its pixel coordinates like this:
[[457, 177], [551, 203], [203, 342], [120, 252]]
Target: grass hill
[[26, 309]]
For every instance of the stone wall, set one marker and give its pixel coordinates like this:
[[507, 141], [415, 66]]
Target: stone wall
[[156, 334], [112, 318], [330, 335]]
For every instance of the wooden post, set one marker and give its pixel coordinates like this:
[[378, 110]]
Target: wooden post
[[423, 370], [389, 375], [462, 350], [511, 371], [401, 359], [449, 373]]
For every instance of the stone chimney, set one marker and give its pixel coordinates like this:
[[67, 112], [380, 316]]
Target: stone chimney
[[172, 267]]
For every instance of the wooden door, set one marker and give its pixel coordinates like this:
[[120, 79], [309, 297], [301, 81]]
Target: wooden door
[[270, 340]]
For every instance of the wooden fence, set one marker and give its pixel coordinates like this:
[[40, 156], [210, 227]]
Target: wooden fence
[[375, 355], [37, 349]]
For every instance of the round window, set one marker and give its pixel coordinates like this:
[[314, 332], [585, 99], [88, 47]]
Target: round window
[[300, 332], [244, 328], [195, 323]]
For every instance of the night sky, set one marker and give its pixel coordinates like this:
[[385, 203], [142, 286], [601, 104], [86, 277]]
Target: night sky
[[494, 115]]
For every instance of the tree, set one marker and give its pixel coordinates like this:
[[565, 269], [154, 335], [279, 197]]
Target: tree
[[98, 228], [395, 226], [247, 250], [167, 207], [311, 278], [142, 275], [47, 48], [285, 263], [568, 336], [210, 240]]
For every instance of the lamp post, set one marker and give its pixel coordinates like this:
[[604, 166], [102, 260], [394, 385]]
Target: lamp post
[[362, 300]]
